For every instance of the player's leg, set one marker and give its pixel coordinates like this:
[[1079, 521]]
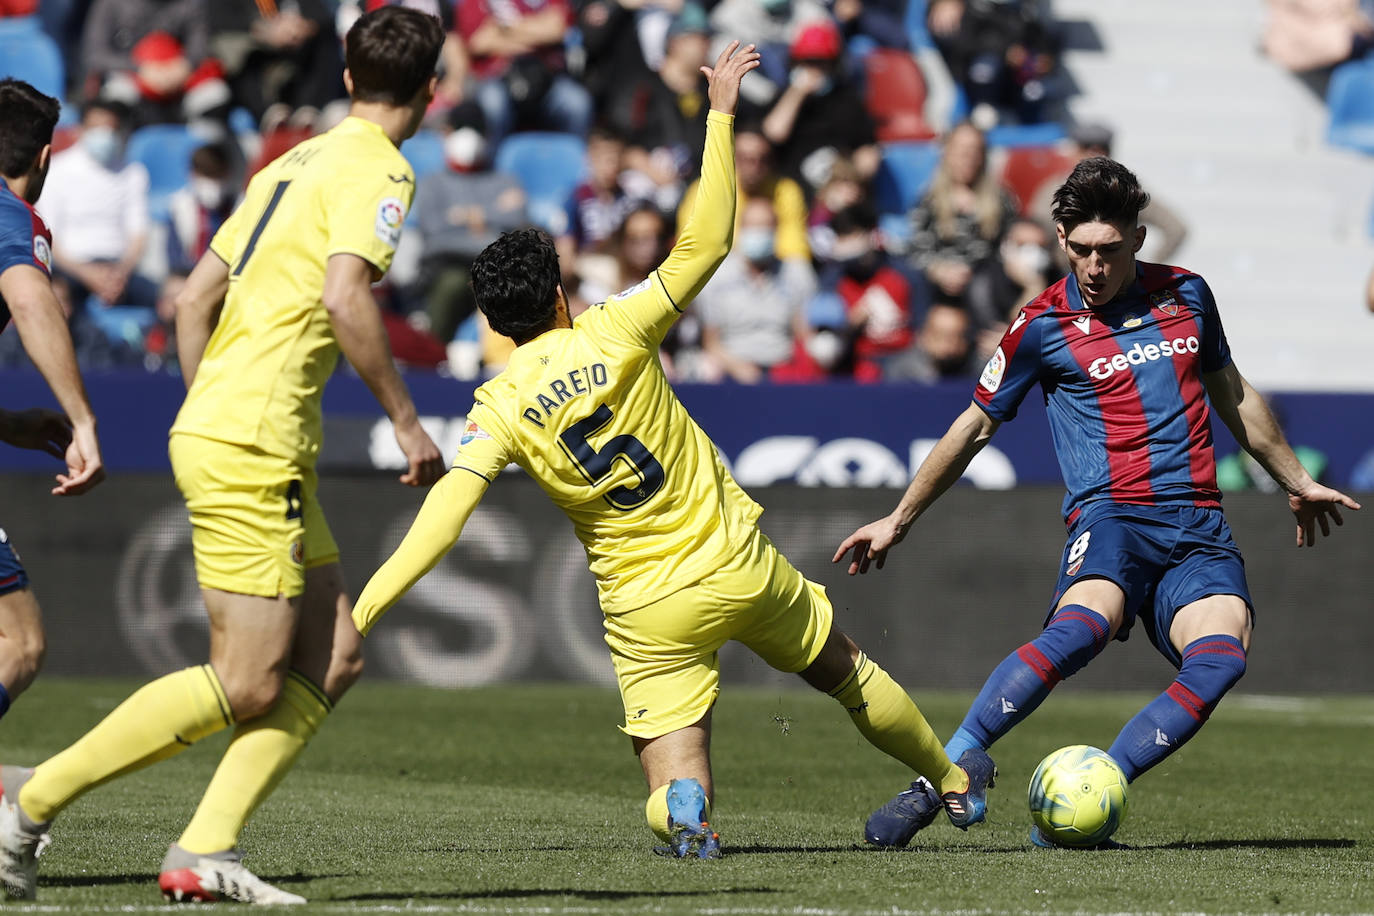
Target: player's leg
[[677, 768], [1211, 637], [22, 644], [666, 664], [1084, 620]]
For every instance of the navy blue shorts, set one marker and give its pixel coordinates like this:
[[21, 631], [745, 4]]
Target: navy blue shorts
[[12, 575], [1162, 557]]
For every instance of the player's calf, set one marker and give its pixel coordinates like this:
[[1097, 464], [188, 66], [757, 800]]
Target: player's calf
[[1211, 666]]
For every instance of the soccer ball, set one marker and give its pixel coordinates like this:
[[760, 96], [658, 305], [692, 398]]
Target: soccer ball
[[1078, 796]]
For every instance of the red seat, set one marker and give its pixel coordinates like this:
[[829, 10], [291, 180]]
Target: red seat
[[277, 142], [896, 95], [1029, 167]]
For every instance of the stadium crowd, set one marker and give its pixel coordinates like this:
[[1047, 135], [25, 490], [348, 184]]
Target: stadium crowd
[[586, 118]]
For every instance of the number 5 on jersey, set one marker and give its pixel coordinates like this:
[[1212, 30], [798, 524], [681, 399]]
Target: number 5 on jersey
[[594, 465]]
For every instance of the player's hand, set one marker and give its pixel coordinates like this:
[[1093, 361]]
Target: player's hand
[[1311, 508], [38, 429], [426, 464], [84, 467], [723, 79], [871, 544]]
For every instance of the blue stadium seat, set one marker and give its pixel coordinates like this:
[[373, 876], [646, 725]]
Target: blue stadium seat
[[548, 166], [27, 53], [165, 151], [425, 152], [1350, 99], [904, 174], [1010, 136]]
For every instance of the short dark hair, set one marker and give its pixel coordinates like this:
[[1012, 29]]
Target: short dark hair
[[211, 160], [515, 280], [1099, 190], [122, 113], [857, 217], [391, 53], [27, 119]]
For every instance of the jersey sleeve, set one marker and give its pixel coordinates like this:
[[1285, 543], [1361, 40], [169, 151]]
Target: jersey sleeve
[[483, 449], [17, 247], [364, 216], [1011, 371], [1216, 352]]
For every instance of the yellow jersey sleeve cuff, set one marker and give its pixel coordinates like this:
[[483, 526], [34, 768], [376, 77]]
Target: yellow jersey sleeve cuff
[[720, 117]]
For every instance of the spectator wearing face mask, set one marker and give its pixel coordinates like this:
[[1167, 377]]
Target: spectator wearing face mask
[[1020, 271], [943, 348], [820, 116], [458, 212], [195, 212], [97, 206], [752, 309], [867, 299]]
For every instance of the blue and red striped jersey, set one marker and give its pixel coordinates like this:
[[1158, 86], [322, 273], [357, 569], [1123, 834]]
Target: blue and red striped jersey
[[1123, 387], [24, 239]]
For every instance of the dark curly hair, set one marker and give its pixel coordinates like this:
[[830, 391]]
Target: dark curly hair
[[391, 53], [515, 280], [27, 119], [1099, 190]]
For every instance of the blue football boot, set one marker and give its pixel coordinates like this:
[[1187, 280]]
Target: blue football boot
[[970, 806], [691, 834], [895, 823]]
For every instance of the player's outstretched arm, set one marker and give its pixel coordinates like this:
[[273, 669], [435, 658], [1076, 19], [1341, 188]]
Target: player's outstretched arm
[[944, 465], [1252, 423], [706, 237], [433, 533], [43, 330], [197, 311], [362, 337]]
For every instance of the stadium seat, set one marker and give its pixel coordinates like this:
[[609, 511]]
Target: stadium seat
[[27, 53], [1028, 167], [425, 152], [1350, 99], [1015, 135], [276, 143], [904, 174], [895, 95], [165, 151], [549, 166]]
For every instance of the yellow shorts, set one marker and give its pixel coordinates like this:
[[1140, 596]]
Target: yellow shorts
[[256, 525], [665, 653]]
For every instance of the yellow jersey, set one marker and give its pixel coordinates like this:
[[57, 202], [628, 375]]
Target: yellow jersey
[[263, 373], [588, 413]]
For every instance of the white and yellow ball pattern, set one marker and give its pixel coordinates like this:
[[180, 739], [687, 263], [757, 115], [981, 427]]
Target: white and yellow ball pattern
[[1078, 796]]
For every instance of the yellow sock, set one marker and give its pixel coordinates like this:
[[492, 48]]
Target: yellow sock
[[656, 812], [888, 718], [159, 720], [260, 754]]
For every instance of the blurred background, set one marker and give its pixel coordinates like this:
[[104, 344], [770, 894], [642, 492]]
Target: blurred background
[[896, 160]]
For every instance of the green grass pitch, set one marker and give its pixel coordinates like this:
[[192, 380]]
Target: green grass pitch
[[527, 800]]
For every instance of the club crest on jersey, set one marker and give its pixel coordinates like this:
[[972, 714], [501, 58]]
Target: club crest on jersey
[[42, 252], [297, 553], [1074, 567], [391, 213], [1165, 302], [991, 379], [472, 431], [1132, 321]]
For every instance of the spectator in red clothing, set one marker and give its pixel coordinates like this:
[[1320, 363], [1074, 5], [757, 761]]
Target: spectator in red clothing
[[516, 49], [875, 296]]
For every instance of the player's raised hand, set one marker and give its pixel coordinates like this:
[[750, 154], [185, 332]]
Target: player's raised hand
[[1311, 508], [871, 544], [723, 79], [425, 462], [39, 429], [84, 467]]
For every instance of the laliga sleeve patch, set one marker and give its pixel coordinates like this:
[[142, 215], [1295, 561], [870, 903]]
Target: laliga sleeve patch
[[991, 379], [472, 432], [42, 252], [639, 287], [391, 213]]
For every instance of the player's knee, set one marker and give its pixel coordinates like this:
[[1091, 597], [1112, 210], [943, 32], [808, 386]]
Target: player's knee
[[252, 697], [30, 649]]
